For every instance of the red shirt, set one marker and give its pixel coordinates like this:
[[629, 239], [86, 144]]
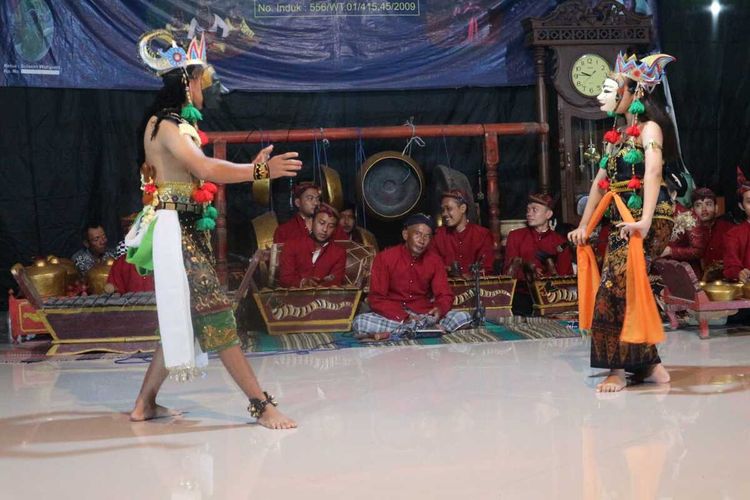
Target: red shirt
[[737, 250], [399, 280], [465, 247], [296, 263], [690, 245], [339, 234], [125, 278], [717, 233], [535, 247], [293, 229]]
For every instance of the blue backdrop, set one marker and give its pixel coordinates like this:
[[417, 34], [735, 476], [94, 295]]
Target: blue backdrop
[[274, 45]]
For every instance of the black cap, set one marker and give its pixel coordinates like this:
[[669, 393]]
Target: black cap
[[419, 218]]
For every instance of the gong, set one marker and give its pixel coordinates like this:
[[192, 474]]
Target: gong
[[264, 226], [332, 192], [447, 179], [390, 184]]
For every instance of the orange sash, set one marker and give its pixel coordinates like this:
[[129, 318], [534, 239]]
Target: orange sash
[[642, 323]]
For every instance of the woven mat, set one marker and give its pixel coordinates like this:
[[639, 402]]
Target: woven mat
[[516, 328]]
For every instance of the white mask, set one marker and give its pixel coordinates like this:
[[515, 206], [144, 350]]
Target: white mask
[[609, 96]]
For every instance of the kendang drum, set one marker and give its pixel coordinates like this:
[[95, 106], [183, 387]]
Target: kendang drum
[[390, 184]]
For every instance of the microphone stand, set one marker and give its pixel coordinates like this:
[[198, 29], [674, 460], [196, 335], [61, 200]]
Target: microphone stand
[[478, 316]]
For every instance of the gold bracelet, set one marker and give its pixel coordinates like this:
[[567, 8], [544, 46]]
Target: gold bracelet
[[652, 144], [261, 171]]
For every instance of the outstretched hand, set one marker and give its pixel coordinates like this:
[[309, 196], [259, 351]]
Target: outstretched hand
[[283, 165], [627, 229]]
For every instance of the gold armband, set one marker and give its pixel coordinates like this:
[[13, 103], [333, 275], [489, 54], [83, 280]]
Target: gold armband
[[652, 144], [260, 171]]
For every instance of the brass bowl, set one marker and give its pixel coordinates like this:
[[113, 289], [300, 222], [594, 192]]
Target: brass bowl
[[746, 290], [738, 285], [720, 291]]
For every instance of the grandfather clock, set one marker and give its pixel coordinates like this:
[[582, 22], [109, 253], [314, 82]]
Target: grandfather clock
[[579, 43]]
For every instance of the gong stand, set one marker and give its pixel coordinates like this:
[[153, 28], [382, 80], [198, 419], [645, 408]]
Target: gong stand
[[490, 132]]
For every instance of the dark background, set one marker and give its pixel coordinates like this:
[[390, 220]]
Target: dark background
[[67, 157]]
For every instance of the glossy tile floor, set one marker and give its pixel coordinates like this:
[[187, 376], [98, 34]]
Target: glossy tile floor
[[508, 420]]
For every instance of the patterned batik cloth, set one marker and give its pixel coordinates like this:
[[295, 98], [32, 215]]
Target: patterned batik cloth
[[607, 351], [213, 318], [369, 323]]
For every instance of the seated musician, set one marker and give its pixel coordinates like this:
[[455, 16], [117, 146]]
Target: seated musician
[[737, 240], [459, 242], [94, 249], [409, 287], [306, 199], [698, 234], [315, 260], [537, 245], [535, 251], [349, 230]]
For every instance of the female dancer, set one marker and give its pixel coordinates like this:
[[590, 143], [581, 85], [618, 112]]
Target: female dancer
[[624, 322]]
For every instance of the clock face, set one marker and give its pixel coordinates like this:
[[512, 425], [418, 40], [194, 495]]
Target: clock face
[[588, 74]]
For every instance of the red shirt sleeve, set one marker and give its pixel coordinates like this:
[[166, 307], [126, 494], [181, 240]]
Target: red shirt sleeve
[[512, 249], [339, 234], [118, 275], [441, 291], [289, 268], [338, 268], [734, 248], [697, 239], [379, 286], [487, 250]]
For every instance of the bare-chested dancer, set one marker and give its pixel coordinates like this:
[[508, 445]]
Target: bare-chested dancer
[[170, 236]]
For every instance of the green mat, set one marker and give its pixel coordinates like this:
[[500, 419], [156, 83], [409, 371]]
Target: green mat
[[516, 328]]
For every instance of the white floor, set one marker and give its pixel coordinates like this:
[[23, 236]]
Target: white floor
[[512, 420]]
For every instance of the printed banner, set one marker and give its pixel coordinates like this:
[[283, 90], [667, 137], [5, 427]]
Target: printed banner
[[274, 45]]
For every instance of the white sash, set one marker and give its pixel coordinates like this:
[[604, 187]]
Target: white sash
[[182, 354]]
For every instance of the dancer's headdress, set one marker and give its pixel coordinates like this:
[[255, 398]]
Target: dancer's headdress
[[162, 61], [647, 72]]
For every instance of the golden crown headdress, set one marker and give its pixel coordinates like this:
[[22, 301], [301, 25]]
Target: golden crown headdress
[[648, 72], [162, 61]]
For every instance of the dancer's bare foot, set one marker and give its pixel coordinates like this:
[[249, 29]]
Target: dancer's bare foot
[[658, 375], [143, 412], [615, 382], [272, 418]]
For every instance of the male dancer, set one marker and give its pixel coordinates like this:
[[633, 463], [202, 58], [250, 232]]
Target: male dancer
[[175, 222]]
